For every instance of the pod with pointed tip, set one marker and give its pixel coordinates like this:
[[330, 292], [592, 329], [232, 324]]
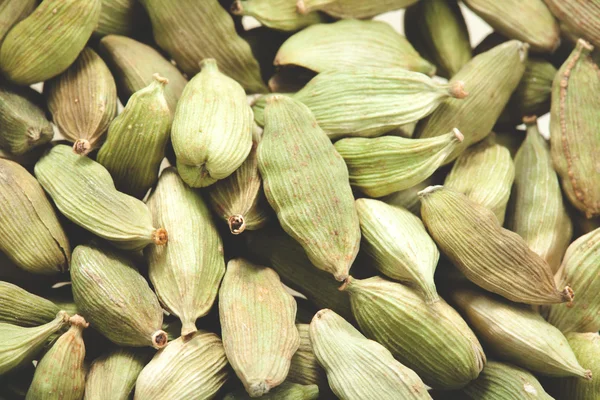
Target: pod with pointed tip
[[14, 11], [582, 18], [358, 9], [586, 347], [305, 368], [19, 307], [285, 391], [278, 14]]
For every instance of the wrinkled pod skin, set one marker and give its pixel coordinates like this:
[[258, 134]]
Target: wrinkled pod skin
[[19, 307]]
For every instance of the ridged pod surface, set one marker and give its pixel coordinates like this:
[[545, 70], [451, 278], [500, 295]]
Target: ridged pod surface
[[257, 320], [381, 166], [358, 9], [276, 14], [306, 182], [84, 192], [285, 391], [186, 272], [46, 42], [30, 233], [115, 298], [586, 347], [212, 127], [305, 368], [120, 17], [350, 44], [14, 11], [431, 339], [580, 17], [19, 307], [492, 257], [343, 351]]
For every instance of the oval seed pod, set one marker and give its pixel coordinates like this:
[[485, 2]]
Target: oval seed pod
[[490, 256], [278, 14], [187, 271], [212, 127], [581, 18], [352, 8], [285, 391], [490, 79], [136, 140], [350, 44], [437, 30], [257, 320], [61, 372], [517, 334], [115, 298], [306, 183], [537, 210], [398, 245], [359, 368], [484, 173], [574, 128], [19, 307], [84, 192], [44, 44], [438, 344], [586, 347], [120, 17], [134, 64], [305, 368], [14, 11], [189, 368], [380, 166]]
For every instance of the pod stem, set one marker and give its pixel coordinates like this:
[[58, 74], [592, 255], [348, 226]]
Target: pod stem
[[345, 284], [79, 321], [457, 90], [160, 237], [160, 79], [429, 190], [567, 294], [237, 224], [587, 374], [188, 328], [301, 7], [82, 147], [237, 8], [159, 339]]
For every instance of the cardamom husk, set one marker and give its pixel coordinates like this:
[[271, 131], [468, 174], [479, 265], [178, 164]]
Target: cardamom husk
[[121, 17], [358, 9], [19, 307], [13, 12], [580, 17], [285, 391], [305, 368], [277, 14]]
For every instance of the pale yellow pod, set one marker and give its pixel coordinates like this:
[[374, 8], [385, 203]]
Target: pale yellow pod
[[277, 14], [358, 9]]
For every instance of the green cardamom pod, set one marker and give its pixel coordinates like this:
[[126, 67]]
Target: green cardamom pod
[[277, 14], [305, 368], [586, 347], [484, 173], [136, 140], [30, 233], [437, 344], [351, 44], [490, 79], [437, 30], [19, 307], [46, 42], [517, 334], [308, 188], [380, 166], [359, 368], [121, 17], [115, 298], [574, 128], [580, 17], [212, 127], [409, 198], [84, 192], [285, 391], [187, 271], [358, 9], [490, 256], [13, 12]]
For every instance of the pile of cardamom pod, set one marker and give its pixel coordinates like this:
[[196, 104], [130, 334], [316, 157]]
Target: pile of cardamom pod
[[314, 208]]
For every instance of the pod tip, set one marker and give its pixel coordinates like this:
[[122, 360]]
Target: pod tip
[[345, 283], [160, 236], [567, 294], [257, 389], [160, 79], [458, 134], [428, 190], [301, 7], [584, 44], [530, 119], [237, 224], [82, 147], [587, 374], [159, 339], [78, 320], [457, 90], [237, 8]]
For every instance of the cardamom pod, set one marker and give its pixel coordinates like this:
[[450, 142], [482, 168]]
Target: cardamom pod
[[258, 108], [517, 334], [13, 12], [580, 17], [285, 391], [61, 302], [136, 140], [187, 271], [431, 339], [380, 166], [574, 133], [212, 127], [409, 198], [30, 233], [490, 256], [61, 373], [352, 8], [277, 14], [83, 101], [343, 351], [121, 17], [257, 321], [115, 298], [203, 30], [84, 192], [305, 368], [484, 173], [586, 347], [308, 189], [46, 42], [351, 44], [437, 30], [19, 307]]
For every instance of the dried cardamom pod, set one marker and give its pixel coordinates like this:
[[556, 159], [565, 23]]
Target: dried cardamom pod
[[380, 166], [586, 347], [438, 345], [30, 234], [46, 42], [203, 30], [437, 30], [120, 17], [257, 320], [60, 374], [490, 256], [305, 368], [187, 271], [212, 127], [308, 189], [517, 334], [115, 298], [136, 140], [285, 391], [84, 192], [14, 11], [574, 133], [351, 44], [278, 14], [358, 9], [484, 173], [537, 210], [409, 198], [398, 245], [342, 350], [189, 368], [580, 17], [490, 79], [19, 307]]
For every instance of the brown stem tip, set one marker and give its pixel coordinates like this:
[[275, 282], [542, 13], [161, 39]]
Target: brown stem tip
[[237, 8], [301, 7], [345, 283], [458, 134], [159, 339], [530, 119], [457, 90], [82, 147], [160, 237], [587, 374], [160, 79], [237, 224], [78, 320], [257, 389], [567, 294]]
